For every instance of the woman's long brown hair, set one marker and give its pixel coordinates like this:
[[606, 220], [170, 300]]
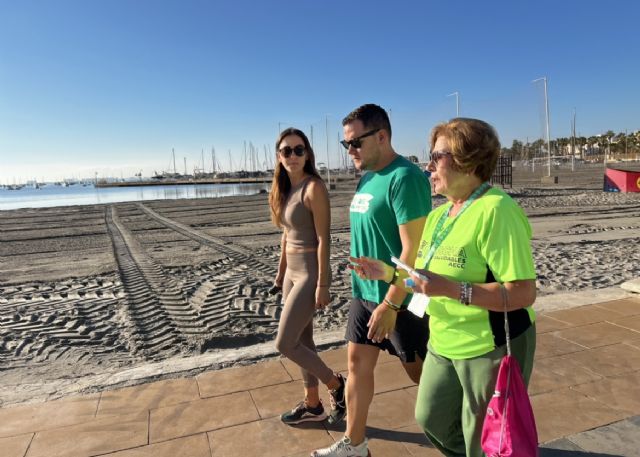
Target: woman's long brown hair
[[281, 184]]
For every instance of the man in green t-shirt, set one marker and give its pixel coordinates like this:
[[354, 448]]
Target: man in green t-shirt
[[387, 215]]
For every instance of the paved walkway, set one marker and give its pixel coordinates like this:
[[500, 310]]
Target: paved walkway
[[585, 392]]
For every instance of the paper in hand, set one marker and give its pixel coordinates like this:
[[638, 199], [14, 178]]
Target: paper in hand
[[419, 304]]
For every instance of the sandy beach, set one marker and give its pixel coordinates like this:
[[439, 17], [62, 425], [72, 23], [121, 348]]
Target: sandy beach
[[89, 290]]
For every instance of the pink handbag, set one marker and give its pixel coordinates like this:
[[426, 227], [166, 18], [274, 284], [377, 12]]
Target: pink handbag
[[509, 428]]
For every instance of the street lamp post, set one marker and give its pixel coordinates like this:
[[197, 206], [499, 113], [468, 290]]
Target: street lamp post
[[546, 105], [457, 94], [328, 167], [573, 141]]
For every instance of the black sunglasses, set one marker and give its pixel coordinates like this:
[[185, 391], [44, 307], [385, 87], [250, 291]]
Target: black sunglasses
[[288, 150], [356, 142]]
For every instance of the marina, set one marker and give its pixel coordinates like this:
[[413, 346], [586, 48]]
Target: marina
[[187, 181], [46, 196]]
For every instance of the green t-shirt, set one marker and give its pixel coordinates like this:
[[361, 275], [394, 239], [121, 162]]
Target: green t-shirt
[[385, 199], [492, 234]]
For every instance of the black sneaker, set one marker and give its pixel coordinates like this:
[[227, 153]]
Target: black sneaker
[[338, 402], [303, 413]]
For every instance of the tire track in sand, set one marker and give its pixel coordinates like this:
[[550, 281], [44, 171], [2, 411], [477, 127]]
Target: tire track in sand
[[63, 329], [234, 294], [163, 321], [239, 254]]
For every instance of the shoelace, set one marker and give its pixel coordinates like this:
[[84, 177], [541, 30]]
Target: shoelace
[[332, 399], [298, 407], [334, 403], [337, 446]]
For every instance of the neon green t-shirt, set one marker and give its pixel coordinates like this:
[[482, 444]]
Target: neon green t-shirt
[[492, 234], [385, 199]]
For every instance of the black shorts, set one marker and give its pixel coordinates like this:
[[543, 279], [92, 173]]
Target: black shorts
[[409, 338]]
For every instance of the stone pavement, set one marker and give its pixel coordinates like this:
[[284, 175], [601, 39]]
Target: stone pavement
[[585, 392]]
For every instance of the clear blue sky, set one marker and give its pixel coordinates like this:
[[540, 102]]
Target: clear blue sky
[[112, 86]]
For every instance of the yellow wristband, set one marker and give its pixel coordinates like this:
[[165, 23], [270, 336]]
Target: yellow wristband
[[394, 276]]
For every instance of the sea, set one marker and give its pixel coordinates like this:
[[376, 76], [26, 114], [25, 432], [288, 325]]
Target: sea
[[78, 194]]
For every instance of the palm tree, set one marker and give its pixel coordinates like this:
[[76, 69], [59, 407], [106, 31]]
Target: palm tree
[[562, 145], [591, 142], [581, 142]]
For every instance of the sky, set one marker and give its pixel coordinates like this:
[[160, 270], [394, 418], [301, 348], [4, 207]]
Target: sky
[[111, 87]]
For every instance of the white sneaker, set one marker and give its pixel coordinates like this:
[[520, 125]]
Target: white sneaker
[[343, 448]]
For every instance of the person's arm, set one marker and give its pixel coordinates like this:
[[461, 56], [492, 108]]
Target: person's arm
[[383, 318], [504, 243], [318, 202], [520, 293], [410, 234], [282, 264]]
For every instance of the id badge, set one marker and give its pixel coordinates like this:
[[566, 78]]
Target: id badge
[[419, 304]]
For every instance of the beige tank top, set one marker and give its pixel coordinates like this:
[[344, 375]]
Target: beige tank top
[[298, 219]]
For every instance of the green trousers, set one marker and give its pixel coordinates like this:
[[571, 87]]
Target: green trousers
[[453, 395]]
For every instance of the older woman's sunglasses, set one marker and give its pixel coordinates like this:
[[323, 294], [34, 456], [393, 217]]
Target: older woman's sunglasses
[[356, 142], [437, 155], [288, 150]]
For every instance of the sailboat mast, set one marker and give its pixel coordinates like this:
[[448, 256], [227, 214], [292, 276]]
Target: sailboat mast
[[244, 155], [173, 152]]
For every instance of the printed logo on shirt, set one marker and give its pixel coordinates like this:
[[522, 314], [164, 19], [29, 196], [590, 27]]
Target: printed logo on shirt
[[423, 249], [455, 257], [360, 203]]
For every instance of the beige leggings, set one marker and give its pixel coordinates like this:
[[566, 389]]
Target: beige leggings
[[295, 330]]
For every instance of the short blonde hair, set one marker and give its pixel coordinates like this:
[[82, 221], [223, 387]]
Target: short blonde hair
[[473, 143]]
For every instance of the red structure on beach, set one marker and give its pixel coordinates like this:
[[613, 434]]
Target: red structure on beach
[[621, 180]]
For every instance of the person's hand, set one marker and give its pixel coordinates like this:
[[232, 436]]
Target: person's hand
[[417, 284], [322, 297], [381, 323], [434, 285], [368, 268], [279, 280]]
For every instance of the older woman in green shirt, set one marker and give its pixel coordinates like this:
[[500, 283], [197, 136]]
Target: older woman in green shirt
[[472, 246]]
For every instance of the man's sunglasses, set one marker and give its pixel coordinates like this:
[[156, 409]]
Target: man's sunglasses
[[288, 150], [437, 155], [357, 142]]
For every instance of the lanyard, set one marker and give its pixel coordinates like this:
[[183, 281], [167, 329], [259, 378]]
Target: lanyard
[[439, 235]]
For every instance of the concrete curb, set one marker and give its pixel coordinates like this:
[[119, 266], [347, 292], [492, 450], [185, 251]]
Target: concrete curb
[[555, 302], [632, 286]]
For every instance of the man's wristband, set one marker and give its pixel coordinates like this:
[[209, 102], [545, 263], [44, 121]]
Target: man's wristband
[[394, 276]]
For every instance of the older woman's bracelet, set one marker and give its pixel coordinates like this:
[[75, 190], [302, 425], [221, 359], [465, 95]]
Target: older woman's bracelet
[[466, 293]]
